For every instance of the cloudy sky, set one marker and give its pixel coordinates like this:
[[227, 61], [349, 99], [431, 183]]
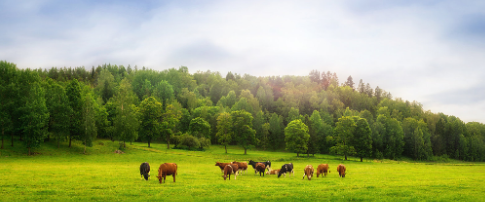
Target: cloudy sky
[[429, 51]]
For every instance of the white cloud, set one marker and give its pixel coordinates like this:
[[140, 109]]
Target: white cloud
[[415, 50]]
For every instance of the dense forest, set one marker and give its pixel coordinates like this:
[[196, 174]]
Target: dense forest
[[302, 114]]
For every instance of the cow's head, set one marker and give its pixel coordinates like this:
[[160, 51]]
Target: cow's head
[[217, 164], [146, 176], [160, 176]]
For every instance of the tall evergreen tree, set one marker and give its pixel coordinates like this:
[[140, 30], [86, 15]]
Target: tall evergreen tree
[[73, 92]]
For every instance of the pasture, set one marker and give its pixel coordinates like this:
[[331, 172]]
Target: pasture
[[101, 175]]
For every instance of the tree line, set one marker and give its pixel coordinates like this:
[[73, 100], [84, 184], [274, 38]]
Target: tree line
[[302, 114]]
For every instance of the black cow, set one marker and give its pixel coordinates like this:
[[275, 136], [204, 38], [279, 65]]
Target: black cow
[[145, 170], [287, 168], [267, 164]]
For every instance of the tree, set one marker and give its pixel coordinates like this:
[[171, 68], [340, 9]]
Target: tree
[[224, 129], [243, 133], [316, 130], [199, 127], [35, 118], [350, 83], [88, 121], [58, 105], [344, 129], [265, 135], [164, 92], [296, 137], [362, 140], [105, 85], [315, 76], [258, 122], [169, 122], [277, 131], [8, 73], [149, 116], [73, 92]]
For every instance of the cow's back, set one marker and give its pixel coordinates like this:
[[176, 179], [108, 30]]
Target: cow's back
[[167, 169], [341, 170]]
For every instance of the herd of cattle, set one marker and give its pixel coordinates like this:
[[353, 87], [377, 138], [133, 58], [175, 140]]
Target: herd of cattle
[[236, 167]]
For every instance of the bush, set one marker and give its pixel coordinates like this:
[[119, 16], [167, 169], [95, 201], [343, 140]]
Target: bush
[[189, 141]]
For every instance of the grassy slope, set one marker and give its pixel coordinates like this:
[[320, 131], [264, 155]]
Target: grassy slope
[[66, 174]]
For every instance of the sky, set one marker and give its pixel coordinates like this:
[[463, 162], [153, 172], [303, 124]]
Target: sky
[[429, 51]]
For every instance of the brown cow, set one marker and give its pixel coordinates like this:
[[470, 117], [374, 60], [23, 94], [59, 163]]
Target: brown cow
[[308, 172], [242, 166], [228, 169], [272, 172], [167, 169], [260, 168], [323, 170], [222, 165], [341, 170]]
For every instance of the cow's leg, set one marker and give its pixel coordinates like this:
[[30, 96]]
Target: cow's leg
[[173, 177]]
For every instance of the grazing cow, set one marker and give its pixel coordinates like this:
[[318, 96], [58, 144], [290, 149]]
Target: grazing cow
[[167, 169], [272, 172], [228, 169], [308, 172], [222, 165], [260, 167], [287, 168], [267, 164], [322, 170], [242, 166], [145, 170], [341, 170]]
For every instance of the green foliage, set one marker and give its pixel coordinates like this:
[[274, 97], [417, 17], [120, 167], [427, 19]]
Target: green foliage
[[398, 127], [88, 121], [362, 139], [149, 117], [169, 122], [344, 130], [243, 133], [224, 129], [277, 133], [342, 150], [35, 118], [199, 127], [73, 92], [297, 137], [164, 92], [58, 105]]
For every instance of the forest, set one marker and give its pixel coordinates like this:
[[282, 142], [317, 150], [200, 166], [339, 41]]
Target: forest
[[301, 114]]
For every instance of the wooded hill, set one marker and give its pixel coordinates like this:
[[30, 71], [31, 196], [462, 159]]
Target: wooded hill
[[302, 114]]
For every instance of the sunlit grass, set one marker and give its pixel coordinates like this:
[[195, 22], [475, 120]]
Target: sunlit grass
[[67, 174]]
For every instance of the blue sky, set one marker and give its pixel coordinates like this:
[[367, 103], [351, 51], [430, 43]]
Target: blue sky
[[429, 51]]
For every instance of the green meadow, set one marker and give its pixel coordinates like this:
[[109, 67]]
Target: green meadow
[[102, 175]]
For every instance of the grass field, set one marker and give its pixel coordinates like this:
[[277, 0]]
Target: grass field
[[101, 175]]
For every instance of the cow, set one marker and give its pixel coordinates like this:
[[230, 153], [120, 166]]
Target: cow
[[260, 167], [221, 165], [242, 166], [167, 169], [228, 169], [308, 172], [287, 168], [272, 172], [145, 171], [323, 170], [252, 163], [341, 170]]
